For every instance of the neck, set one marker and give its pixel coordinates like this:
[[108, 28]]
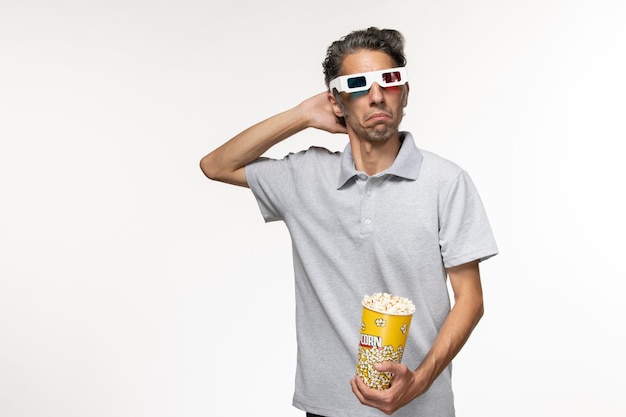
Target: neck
[[373, 157]]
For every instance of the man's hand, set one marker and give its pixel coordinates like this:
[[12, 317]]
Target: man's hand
[[320, 115], [405, 387]]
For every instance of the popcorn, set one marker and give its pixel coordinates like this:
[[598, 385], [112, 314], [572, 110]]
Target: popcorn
[[365, 365], [387, 303], [384, 328]]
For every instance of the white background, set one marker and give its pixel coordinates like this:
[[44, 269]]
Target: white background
[[130, 285]]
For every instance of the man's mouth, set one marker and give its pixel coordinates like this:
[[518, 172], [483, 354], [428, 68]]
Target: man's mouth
[[378, 116]]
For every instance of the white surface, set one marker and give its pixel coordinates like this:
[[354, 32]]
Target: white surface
[[132, 286]]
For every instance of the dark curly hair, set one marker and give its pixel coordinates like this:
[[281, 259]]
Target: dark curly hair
[[389, 41]]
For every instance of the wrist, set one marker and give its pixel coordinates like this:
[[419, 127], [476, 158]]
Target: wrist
[[426, 373]]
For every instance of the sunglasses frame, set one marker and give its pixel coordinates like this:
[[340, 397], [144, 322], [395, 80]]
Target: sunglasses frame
[[341, 83]]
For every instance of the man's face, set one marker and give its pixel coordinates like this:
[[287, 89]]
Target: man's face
[[372, 115]]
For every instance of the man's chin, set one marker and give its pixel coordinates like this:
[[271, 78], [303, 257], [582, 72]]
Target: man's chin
[[380, 133]]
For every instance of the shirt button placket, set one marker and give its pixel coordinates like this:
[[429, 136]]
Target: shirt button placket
[[367, 209]]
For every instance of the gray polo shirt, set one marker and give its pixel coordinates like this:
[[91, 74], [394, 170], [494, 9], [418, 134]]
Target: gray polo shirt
[[355, 235]]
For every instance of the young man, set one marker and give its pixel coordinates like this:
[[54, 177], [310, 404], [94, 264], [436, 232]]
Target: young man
[[381, 216]]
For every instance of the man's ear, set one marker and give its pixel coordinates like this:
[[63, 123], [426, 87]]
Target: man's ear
[[335, 105], [405, 99]]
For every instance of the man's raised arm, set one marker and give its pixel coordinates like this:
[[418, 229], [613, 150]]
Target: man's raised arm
[[227, 163]]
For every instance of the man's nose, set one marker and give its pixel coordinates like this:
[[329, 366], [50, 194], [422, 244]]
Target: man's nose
[[376, 93]]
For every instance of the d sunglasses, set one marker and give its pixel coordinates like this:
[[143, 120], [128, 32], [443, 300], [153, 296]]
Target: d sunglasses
[[355, 83]]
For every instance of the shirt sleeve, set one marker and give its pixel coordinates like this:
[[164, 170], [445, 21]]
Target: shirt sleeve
[[272, 183], [465, 234]]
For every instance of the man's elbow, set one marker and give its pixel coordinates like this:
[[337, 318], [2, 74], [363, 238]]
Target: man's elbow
[[480, 312], [210, 169], [217, 172], [479, 309], [474, 306]]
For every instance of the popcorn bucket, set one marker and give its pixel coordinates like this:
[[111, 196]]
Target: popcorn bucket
[[383, 337]]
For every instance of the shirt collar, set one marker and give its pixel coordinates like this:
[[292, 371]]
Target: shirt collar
[[406, 165]]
